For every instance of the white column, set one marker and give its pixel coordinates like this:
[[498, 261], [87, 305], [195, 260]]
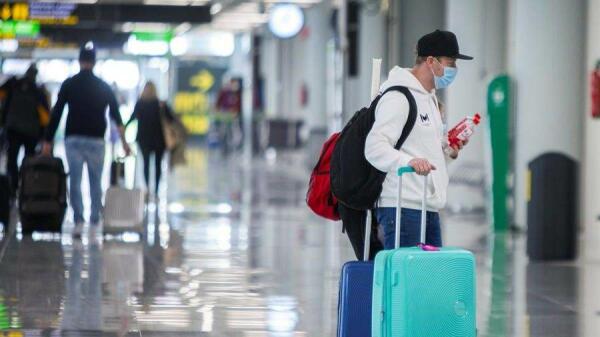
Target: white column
[[483, 37], [546, 48], [591, 160], [371, 43], [270, 69], [281, 66], [313, 69]]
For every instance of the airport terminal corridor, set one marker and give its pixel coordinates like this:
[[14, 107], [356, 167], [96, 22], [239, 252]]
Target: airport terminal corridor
[[232, 251]]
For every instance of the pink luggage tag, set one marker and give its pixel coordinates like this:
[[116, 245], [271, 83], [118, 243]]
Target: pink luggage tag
[[428, 248]]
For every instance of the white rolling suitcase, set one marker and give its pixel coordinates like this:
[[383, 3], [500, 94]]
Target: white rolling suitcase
[[124, 210]]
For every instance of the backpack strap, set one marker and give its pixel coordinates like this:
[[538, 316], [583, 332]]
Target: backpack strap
[[412, 112]]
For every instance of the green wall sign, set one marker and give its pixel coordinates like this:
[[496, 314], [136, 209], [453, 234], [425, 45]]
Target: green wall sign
[[499, 104]]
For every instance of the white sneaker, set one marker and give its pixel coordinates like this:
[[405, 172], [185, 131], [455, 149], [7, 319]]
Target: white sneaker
[[77, 230]]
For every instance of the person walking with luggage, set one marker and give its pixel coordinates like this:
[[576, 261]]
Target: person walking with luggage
[[150, 113], [24, 116], [88, 97], [435, 68]]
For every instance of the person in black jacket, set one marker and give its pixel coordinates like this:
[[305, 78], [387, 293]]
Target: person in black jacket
[[24, 116], [150, 112], [88, 97]]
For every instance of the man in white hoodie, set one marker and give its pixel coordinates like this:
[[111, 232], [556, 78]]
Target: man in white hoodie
[[435, 68]]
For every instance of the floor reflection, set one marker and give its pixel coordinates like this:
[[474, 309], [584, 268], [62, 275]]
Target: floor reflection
[[231, 250]]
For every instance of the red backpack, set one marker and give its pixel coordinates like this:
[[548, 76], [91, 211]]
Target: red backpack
[[319, 197]]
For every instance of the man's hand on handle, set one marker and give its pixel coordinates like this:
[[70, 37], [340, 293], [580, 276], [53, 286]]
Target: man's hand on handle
[[126, 147], [421, 166]]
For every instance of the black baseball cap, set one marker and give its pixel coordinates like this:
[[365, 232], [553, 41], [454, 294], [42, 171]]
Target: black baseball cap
[[87, 53], [440, 43]]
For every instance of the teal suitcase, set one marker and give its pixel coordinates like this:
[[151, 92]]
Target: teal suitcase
[[423, 291]]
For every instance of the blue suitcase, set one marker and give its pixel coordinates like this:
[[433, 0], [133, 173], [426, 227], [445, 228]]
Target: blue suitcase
[[355, 295]]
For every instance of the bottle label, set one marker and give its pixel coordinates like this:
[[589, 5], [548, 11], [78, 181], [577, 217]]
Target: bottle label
[[465, 134]]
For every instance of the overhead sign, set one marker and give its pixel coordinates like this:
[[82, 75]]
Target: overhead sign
[[15, 11], [43, 12], [128, 12], [19, 29], [165, 36]]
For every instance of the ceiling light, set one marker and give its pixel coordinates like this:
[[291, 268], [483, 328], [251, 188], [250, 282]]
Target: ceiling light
[[179, 46], [150, 48], [167, 2], [286, 20], [9, 46], [216, 8], [182, 28]]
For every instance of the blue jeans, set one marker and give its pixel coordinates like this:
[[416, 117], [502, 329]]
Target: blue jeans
[[90, 151], [411, 227]]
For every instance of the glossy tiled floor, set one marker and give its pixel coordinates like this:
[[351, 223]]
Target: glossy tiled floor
[[234, 252]]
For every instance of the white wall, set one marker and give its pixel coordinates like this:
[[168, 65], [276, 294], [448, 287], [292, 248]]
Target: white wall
[[545, 59], [417, 18], [287, 64]]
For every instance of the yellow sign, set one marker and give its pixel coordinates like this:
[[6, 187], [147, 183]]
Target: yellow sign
[[17, 11], [196, 124], [193, 108], [23, 12], [68, 21], [43, 43], [191, 102], [204, 80], [13, 333]]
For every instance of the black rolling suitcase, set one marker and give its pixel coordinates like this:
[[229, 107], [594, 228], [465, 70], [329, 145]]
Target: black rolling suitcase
[[4, 200], [4, 185], [42, 194], [117, 172]]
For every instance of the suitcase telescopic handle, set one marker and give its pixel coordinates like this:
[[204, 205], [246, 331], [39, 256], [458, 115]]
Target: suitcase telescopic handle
[[401, 171], [368, 225]]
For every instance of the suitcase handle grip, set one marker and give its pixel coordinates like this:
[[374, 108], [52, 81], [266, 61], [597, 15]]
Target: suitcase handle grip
[[405, 169]]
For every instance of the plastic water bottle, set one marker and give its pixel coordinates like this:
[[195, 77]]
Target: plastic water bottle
[[461, 132]]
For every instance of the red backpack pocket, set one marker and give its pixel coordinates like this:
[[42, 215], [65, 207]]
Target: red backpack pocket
[[319, 197]]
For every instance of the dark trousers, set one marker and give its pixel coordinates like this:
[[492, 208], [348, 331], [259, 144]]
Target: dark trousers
[[158, 154], [15, 141], [354, 224]]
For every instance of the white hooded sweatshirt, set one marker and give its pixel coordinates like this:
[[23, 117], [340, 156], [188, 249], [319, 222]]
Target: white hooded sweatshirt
[[425, 141]]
